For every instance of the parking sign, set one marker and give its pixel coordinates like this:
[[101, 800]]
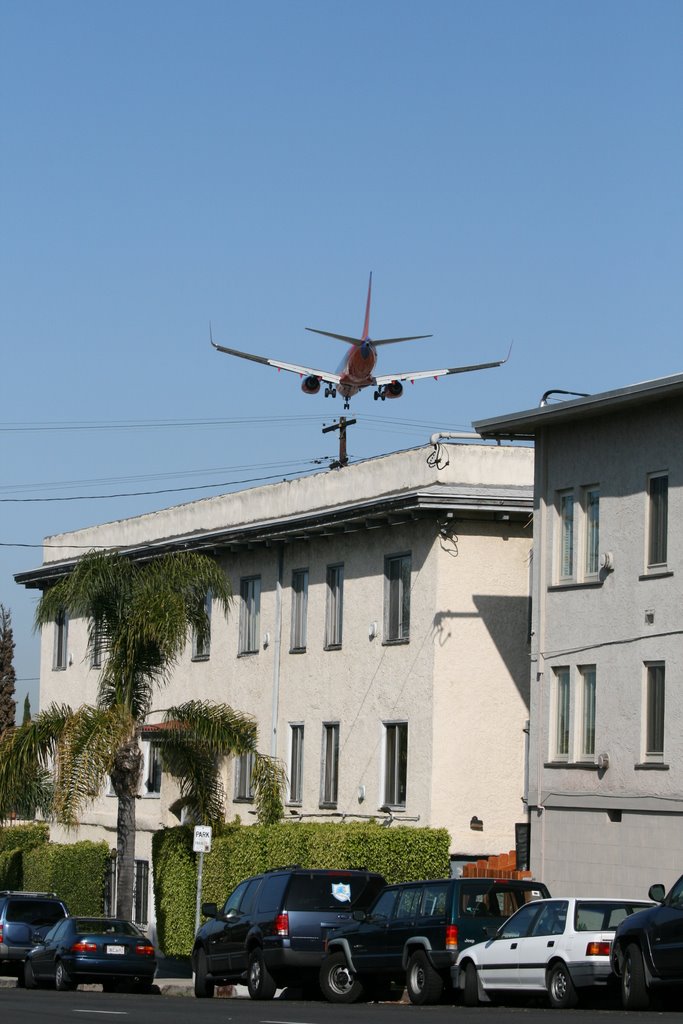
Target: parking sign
[[202, 839]]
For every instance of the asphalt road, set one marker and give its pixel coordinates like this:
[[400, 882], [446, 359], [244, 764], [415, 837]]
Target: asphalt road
[[19, 1006]]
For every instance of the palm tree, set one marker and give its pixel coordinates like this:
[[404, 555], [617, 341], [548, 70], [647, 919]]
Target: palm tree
[[140, 617]]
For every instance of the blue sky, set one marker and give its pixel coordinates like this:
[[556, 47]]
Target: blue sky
[[506, 170]]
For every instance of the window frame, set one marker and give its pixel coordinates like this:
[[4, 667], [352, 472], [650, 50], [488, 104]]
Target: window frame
[[397, 598], [561, 713], [587, 703], [250, 616], [296, 763], [60, 650], [590, 511], [202, 652], [153, 770], [657, 520], [334, 607], [329, 765], [298, 628], [566, 536], [395, 763], [243, 790], [654, 727]]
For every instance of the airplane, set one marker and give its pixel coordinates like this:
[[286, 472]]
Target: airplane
[[356, 370]]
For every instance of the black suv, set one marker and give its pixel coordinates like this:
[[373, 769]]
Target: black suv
[[413, 933], [25, 917], [647, 949], [271, 931]]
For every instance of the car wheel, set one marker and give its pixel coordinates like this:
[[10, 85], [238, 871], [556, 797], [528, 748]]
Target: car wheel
[[203, 987], [337, 983], [470, 993], [424, 984], [28, 978], [561, 991], [634, 994], [63, 982], [259, 980]]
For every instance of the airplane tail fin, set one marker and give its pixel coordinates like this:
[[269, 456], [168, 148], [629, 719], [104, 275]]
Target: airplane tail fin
[[366, 325]]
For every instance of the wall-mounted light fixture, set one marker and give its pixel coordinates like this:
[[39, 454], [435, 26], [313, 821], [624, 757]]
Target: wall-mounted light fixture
[[372, 630], [476, 824]]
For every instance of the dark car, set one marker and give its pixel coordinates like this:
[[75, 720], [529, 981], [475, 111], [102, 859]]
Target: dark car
[[270, 933], [412, 936], [107, 950], [25, 916], [647, 951]]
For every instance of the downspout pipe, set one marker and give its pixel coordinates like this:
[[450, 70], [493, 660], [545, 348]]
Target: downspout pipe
[[277, 646]]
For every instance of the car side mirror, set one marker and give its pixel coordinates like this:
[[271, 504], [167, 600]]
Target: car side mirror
[[37, 939], [209, 910], [657, 892], [359, 915]]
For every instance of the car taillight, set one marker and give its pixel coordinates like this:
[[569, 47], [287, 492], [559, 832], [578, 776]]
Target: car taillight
[[451, 936], [84, 947], [144, 949], [282, 924], [598, 948], [0, 933]]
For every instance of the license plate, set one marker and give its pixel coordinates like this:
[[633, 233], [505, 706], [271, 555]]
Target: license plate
[[116, 950]]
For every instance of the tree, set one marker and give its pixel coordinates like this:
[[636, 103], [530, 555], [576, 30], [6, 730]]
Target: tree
[[7, 674], [140, 617], [27, 710]]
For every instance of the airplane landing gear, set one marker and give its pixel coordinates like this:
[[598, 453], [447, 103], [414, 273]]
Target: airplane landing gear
[[330, 392], [379, 394]]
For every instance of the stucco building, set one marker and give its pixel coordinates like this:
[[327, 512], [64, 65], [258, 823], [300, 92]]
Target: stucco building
[[379, 636], [605, 786]]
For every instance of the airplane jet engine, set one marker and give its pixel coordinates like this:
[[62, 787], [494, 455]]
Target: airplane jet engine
[[310, 385], [393, 390]]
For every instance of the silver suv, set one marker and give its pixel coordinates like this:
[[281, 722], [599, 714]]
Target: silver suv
[[25, 917]]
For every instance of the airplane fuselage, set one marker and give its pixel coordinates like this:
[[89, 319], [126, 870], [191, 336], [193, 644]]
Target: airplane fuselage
[[357, 368]]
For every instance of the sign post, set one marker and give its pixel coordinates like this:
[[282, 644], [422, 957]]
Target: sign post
[[200, 845]]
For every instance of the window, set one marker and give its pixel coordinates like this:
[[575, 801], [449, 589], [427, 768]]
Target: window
[[654, 728], [330, 764], [250, 615], [397, 598], [335, 607], [96, 646], [395, 763], [153, 770], [658, 493], [296, 763], [591, 511], [244, 765], [201, 645], [587, 673], [59, 657], [562, 699], [140, 892], [299, 609], [566, 536]]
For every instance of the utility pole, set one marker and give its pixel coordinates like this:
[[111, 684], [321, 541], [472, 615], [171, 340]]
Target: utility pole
[[341, 427]]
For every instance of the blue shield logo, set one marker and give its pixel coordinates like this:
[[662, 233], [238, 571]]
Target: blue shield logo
[[341, 892]]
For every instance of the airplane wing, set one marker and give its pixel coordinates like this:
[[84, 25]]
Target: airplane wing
[[303, 371], [387, 378]]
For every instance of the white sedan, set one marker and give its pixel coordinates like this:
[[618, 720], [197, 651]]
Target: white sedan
[[555, 946]]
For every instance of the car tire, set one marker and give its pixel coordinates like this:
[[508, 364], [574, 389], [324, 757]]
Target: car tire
[[470, 992], [259, 979], [561, 991], [634, 994], [423, 983], [28, 978], [63, 982], [337, 983], [203, 986]]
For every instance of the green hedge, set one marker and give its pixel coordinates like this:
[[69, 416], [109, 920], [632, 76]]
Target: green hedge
[[400, 854], [15, 840], [76, 872], [16, 837]]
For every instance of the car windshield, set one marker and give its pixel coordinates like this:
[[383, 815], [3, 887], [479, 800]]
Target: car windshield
[[105, 926]]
